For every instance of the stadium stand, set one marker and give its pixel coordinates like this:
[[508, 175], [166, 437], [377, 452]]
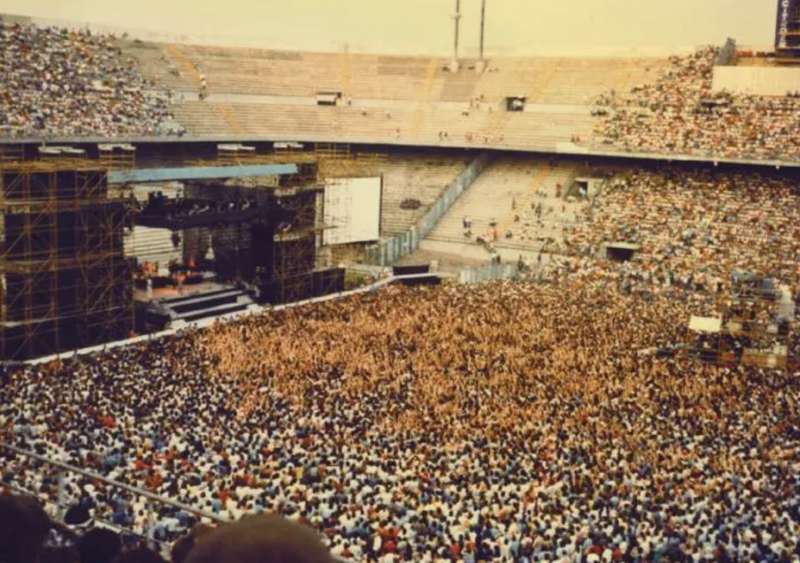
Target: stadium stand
[[545, 80], [695, 228], [64, 83], [680, 114], [402, 125], [421, 179], [572, 105]]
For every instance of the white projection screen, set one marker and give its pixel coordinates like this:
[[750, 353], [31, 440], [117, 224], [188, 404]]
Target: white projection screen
[[352, 210]]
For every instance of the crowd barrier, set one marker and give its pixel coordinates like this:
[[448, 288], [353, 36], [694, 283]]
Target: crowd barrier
[[207, 322], [489, 272], [390, 250]]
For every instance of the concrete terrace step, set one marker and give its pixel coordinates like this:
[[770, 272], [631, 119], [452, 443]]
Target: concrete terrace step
[[466, 250]]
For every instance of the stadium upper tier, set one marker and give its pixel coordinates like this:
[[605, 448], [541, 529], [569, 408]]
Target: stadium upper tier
[[262, 72], [74, 86]]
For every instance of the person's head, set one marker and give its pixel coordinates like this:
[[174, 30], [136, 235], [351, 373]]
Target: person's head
[[139, 555], [260, 539], [78, 518], [23, 529], [59, 555], [99, 545], [182, 547]]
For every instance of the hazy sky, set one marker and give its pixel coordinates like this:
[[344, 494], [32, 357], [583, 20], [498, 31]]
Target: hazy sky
[[424, 26]]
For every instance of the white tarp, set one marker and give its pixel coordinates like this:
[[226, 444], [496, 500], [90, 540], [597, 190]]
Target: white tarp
[[710, 325], [352, 210], [624, 246], [758, 80]]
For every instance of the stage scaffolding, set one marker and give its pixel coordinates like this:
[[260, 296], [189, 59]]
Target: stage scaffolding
[[750, 330], [295, 251], [64, 279], [117, 156]]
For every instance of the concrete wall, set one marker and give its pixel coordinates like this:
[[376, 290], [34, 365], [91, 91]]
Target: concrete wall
[[488, 273], [761, 80]]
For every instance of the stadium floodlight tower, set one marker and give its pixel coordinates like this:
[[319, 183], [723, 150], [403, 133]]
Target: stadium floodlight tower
[[454, 65], [479, 68]]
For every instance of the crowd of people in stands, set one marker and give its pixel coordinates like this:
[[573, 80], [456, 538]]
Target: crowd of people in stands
[[692, 229], [56, 82], [680, 113], [502, 422]]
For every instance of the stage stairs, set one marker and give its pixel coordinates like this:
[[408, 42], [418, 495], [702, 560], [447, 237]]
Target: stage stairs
[[186, 309]]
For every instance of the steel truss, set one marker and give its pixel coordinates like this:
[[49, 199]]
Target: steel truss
[[295, 253], [65, 280]]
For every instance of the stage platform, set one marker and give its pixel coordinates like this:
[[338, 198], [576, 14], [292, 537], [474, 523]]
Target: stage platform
[[172, 307]]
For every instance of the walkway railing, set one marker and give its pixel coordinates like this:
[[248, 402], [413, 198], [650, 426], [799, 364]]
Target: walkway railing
[[392, 249]]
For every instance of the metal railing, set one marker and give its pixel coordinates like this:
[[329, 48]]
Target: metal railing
[[392, 249], [489, 272], [129, 488], [162, 545]]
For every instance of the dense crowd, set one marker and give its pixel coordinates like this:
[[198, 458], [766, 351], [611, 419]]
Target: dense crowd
[[56, 82], [29, 535], [680, 113], [694, 228], [502, 422]]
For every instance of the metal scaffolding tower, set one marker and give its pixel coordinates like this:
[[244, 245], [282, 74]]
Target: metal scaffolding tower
[[64, 279], [295, 251], [483, 25]]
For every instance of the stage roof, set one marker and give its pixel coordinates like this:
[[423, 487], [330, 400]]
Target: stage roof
[[199, 173]]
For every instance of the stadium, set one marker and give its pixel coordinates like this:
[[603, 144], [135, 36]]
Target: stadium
[[284, 305]]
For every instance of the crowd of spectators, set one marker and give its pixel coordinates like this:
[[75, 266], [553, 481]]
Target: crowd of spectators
[[56, 82], [680, 113], [29, 535], [694, 228], [513, 421]]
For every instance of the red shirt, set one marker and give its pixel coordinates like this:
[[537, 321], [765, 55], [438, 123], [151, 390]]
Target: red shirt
[[455, 551]]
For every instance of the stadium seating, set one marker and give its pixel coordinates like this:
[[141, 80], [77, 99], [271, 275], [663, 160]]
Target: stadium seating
[[544, 80], [402, 125], [421, 179]]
